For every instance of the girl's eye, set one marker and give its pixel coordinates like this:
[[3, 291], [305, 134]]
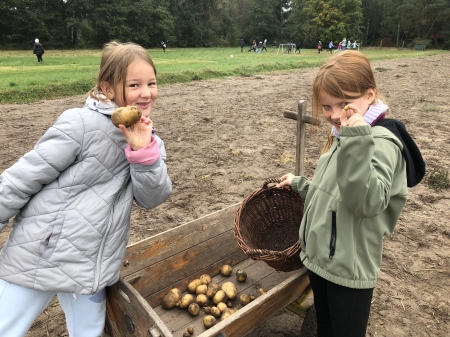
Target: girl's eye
[[133, 85], [152, 84], [326, 107]]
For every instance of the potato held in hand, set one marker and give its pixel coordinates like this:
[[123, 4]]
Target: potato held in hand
[[126, 116]]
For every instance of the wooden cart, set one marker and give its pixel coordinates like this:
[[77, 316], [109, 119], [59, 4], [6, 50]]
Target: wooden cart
[[174, 258]]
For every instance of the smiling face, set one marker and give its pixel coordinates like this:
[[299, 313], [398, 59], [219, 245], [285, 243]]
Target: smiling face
[[332, 106], [140, 88]]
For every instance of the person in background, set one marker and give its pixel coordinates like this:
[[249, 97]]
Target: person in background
[[264, 45], [71, 198], [38, 50], [164, 45], [260, 44], [344, 44], [356, 195], [354, 45], [330, 47], [319, 47], [242, 44], [349, 44], [274, 45], [339, 48], [297, 47]]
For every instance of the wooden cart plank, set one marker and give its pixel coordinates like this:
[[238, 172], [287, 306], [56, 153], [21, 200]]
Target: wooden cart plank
[[245, 320], [159, 247], [129, 315], [182, 265]]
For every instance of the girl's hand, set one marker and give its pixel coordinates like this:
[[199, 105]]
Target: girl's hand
[[138, 135], [286, 181], [352, 116]]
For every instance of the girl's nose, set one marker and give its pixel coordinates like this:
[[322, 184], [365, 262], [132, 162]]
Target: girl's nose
[[336, 114]]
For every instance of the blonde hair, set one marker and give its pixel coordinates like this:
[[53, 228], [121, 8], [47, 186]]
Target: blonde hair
[[116, 58], [346, 75]]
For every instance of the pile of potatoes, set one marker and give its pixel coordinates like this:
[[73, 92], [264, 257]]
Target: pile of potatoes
[[216, 300]]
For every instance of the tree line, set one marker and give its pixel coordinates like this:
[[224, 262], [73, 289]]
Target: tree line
[[66, 24]]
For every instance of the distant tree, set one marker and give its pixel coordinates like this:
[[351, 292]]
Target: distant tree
[[331, 20]]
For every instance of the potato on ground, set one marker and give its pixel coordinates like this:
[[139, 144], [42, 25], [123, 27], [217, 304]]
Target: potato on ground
[[185, 301], [206, 279], [194, 309], [201, 289], [227, 313], [209, 321], [192, 286], [202, 300], [230, 289], [220, 296], [226, 270], [212, 289], [170, 300]]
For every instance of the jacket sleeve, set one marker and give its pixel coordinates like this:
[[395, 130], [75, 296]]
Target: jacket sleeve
[[300, 185], [365, 170], [52, 154], [151, 183]]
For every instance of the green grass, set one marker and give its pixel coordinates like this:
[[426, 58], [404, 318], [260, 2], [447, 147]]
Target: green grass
[[67, 73]]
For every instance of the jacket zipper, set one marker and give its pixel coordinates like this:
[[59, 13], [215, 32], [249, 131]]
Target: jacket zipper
[[333, 235], [304, 231], [102, 244]]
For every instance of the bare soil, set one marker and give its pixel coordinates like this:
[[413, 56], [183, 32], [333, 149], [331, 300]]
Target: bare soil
[[225, 137]]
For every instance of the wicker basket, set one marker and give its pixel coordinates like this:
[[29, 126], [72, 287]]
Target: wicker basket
[[266, 226]]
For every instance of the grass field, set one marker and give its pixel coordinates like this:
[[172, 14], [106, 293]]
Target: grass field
[[67, 72]]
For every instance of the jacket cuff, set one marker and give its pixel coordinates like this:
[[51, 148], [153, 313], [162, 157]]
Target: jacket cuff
[[145, 156]]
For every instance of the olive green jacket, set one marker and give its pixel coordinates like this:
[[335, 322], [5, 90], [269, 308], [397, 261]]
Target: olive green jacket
[[355, 198]]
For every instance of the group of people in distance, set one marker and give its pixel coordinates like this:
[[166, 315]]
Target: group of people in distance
[[342, 45], [70, 198]]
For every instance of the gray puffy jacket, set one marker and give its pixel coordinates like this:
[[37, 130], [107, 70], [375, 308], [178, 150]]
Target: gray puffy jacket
[[71, 197]]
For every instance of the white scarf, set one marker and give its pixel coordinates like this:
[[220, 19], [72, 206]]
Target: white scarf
[[372, 114]]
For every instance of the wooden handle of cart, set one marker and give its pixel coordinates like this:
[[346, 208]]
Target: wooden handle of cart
[[301, 119]]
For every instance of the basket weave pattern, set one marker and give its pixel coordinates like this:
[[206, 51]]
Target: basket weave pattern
[[266, 226]]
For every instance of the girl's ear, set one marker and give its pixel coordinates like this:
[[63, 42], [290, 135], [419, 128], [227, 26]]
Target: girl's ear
[[107, 90], [371, 94]]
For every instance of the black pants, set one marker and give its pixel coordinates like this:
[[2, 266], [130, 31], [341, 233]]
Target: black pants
[[340, 311], [39, 57]]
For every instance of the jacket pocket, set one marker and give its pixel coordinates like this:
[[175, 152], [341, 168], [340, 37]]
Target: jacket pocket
[[45, 240], [333, 235]]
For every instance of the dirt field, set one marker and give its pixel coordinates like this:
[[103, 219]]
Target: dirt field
[[224, 138]]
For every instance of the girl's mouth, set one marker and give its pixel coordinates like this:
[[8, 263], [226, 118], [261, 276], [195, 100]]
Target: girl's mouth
[[143, 105]]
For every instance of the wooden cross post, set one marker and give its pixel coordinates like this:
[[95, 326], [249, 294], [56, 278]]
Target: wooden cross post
[[301, 118]]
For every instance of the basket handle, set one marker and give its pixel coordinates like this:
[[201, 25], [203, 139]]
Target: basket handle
[[271, 181]]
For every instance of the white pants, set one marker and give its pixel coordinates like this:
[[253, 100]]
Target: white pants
[[19, 307]]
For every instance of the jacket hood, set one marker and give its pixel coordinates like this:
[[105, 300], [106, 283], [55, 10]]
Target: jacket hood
[[415, 165], [106, 107]]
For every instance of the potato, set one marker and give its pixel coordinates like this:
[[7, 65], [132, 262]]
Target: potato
[[185, 301], [241, 275], [194, 309], [222, 306], [227, 313], [244, 299], [206, 279], [202, 300], [186, 334], [192, 287], [171, 299], [207, 310], [230, 289], [262, 291], [226, 270], [220, 296], [215, 311], [212, 290], [127, 116], [201, 289], [209, 321], [190, 330]]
